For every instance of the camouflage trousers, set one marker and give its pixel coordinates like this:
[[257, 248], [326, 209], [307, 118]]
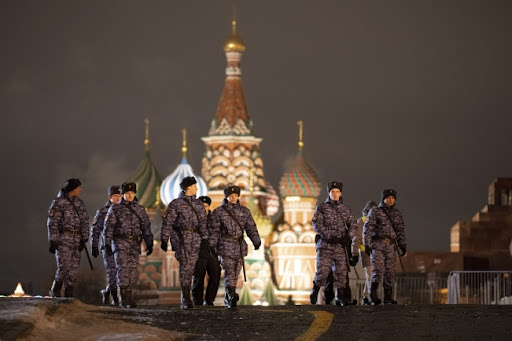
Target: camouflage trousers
[[383, 261], [110, 268], [187, 265], [127, 261], [68, 261], [335, 259], [232, 267]]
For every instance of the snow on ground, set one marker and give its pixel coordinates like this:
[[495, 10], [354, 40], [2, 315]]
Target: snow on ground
[[69, 319]]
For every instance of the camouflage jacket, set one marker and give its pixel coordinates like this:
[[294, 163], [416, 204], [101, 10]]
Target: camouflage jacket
[[378, 226], [65, 223], [181, 222], [332, 220], [227, 235], [97, 226], [126, 224]]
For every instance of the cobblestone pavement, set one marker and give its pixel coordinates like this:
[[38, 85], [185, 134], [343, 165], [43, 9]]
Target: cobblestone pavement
[[60, 321]]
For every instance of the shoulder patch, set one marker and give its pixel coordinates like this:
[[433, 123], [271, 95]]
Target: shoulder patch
[[51, 213], [315, 216]]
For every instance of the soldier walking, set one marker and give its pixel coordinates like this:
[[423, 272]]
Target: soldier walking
[[68, 231], [228, 223], [358, 249], [208, 262], [383, 232], [126, 224], [184, 222], [114, 197], [336, 226]]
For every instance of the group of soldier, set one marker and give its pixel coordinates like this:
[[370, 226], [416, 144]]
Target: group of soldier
[[376, 237], [199, 237]]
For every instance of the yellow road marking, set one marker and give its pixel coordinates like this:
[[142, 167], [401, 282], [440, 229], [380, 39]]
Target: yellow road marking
[[320, 325]]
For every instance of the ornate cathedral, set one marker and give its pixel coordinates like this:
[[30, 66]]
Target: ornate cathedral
[[281, 271]]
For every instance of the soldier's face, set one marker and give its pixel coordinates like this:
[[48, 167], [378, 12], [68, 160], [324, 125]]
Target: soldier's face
[[76, 192], [191, 190], [115, 198], [335, 194], [206, 207], [129, 196], [233, 198], [390, 201]]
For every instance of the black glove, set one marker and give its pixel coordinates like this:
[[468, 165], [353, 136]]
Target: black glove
[[353, 260], [368, 250], [213, 252], [163, 246], [149, 250], [404, 250], [81, 246], [95, 252], [54, 245], [108, 250], [257, 246], [346, 241]]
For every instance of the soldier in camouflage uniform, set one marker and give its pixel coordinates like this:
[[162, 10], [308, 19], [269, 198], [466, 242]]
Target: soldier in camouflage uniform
[[336, 226], [126, 224], [68, 231], [228, 223], [114, 197], [208, 262], [383, 231], [184, 222]]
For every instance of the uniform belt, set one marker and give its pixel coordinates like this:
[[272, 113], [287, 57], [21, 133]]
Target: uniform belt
[[386, 240], [230, 238], [189, 230], [72, 232], [128, 238]]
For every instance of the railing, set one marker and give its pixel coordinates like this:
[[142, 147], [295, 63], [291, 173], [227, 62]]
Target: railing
[[480, 287], [410, 289]]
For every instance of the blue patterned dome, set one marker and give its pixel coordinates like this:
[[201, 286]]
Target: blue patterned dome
[[171, 189]]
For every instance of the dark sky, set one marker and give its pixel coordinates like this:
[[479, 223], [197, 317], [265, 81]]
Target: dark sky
[[413, 95]]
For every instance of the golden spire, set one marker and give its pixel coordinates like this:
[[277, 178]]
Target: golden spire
[[234, 42], [301, 144], [184, 147], [146, 140]]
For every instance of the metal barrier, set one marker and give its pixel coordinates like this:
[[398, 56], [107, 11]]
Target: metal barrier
[[480, 287], [411, 289]]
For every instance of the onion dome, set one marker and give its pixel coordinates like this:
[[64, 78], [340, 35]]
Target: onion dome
[[147, 178], [170, 188], [300, 180], [234, 43]]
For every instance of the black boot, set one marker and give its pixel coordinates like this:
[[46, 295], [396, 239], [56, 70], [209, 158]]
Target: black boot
[[347, 296], [365, 301], [55, 290], [374, 299], [68, 292], [314, 294], [123, 293], [131, 301], [232, 297], [388, 295], [186, 302], [342, 299], [105, 296], [113, 293]]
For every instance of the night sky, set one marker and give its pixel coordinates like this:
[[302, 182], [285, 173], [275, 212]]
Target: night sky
[[413, 95]]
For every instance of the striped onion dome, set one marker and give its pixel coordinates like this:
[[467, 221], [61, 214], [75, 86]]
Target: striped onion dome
[[147, 179], [171, 189], [299, 180]]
